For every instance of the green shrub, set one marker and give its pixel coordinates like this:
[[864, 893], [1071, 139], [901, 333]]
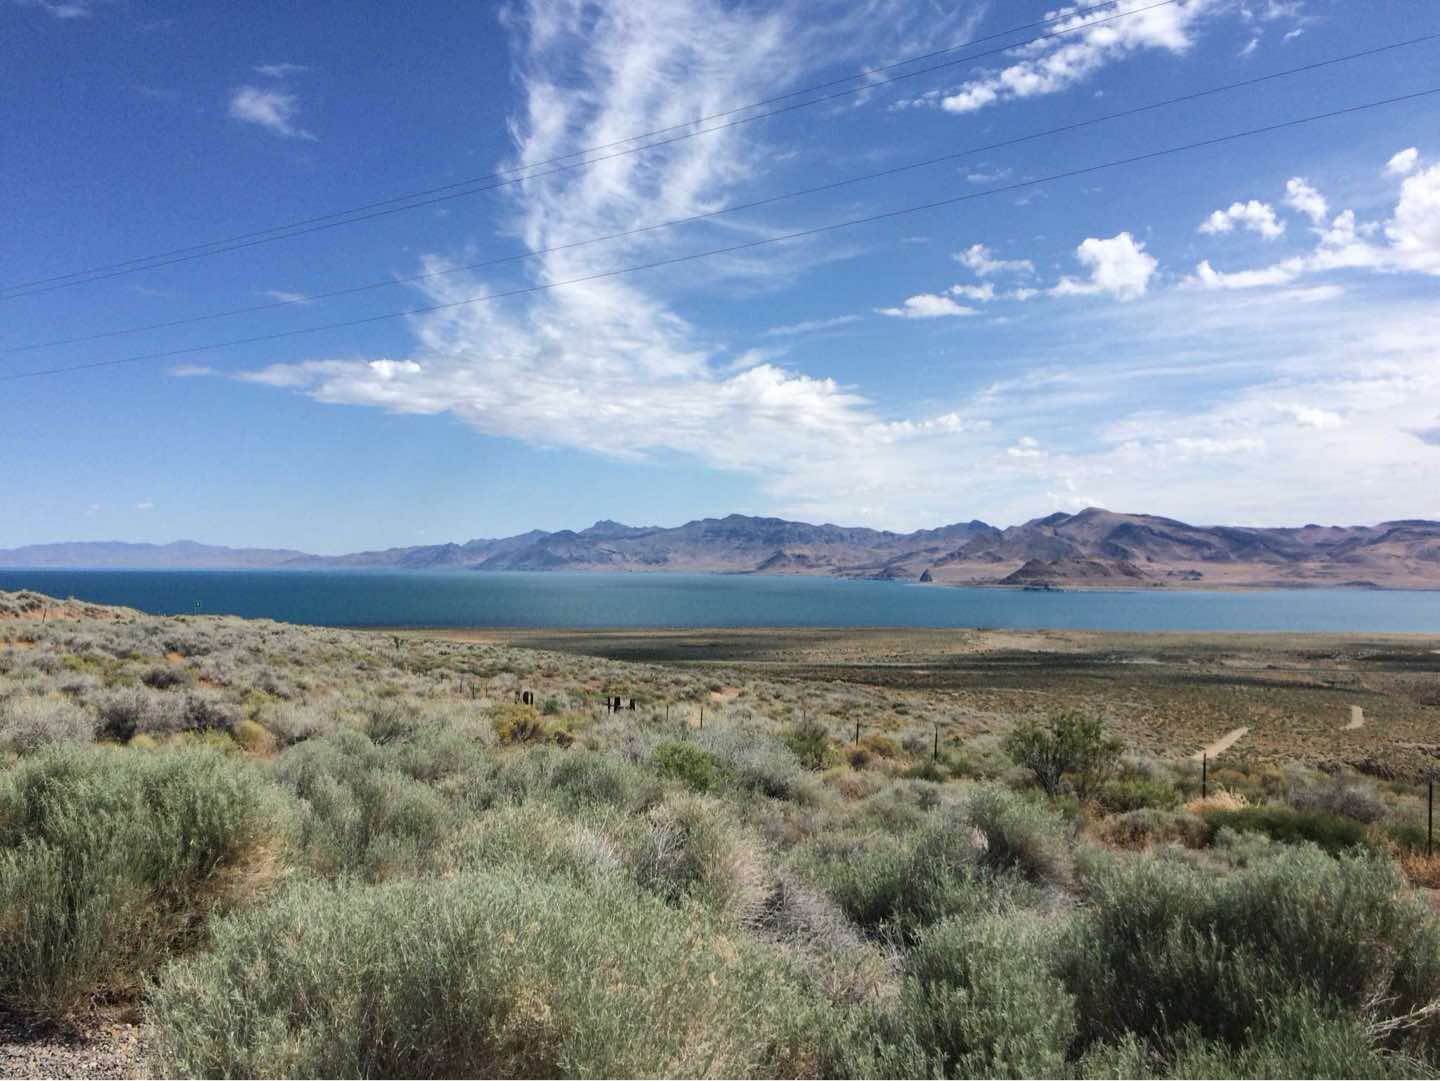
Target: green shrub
[[517, 723], [30, 723], [389, 720], [110, 858], [540, 840], [811, 744], [695, 852], [1341, 799], [1133, 791], [485, 974], [1066, 746], [692, 766], [1019, 836], [361, 815], [990, 855], [1295, 1035], [756, 761], [576, 779], [979, 1000], [1330, 832], [1164, 950]]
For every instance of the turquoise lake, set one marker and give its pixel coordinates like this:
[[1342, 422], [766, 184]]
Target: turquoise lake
[[472, 599]]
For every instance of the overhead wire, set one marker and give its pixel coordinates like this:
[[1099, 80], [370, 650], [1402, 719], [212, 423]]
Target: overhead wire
[[310, 298], [732, 248], [414, 200]]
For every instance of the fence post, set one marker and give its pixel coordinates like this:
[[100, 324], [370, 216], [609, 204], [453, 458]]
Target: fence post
[[1204, 775], [702, 716], [857, 729], [1430, 816], [935, 757]]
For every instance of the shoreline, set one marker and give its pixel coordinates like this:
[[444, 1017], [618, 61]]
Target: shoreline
[[1144, 587]]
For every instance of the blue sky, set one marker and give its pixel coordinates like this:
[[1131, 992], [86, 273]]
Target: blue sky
[[1245, 333]]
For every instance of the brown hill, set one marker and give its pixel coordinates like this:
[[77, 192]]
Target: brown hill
[[1091, 549]]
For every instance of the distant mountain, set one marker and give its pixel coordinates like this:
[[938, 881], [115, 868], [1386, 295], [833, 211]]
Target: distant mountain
[[122, 554], [1092, 549]]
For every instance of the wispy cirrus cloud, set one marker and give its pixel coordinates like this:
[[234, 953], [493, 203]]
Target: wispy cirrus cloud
[[615, 367], [64, 9], [281, 70]]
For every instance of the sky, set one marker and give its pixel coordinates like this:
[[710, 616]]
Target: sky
[[1242, 332]]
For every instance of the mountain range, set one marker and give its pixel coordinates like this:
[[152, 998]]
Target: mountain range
[[1094, 548]]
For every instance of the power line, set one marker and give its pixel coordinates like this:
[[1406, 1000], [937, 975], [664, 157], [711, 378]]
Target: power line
[[386, 207], [733, 208], [745, 246]]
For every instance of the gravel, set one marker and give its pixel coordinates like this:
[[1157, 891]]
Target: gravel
[[98, 1049]]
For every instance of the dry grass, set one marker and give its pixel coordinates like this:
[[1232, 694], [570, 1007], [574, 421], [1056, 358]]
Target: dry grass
[[1221, 799]]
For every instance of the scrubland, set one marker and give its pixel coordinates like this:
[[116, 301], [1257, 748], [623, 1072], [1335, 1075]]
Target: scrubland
[[304, 852]]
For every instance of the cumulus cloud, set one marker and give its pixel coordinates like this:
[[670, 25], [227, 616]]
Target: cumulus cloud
[[1403, 163], [982, 261], [982, 293], [927, 306], [1119, 267], [1411, 238], [276, 111], [1254, 215], [1299, 195]]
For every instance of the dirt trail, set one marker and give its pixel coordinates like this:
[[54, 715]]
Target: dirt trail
[[1221, 745], [1357, 719]]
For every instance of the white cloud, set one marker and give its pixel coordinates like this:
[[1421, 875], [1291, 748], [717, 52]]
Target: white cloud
[[275, 110], [62, 9], [145, 504], [1210, 278], [1061, 62], [1300, 196], [1027, 446], [987, 175], [280, 71], [982, 293], [927, 306], [1311, 416], [1411, 235], [1118, 266], [1414, 231], [1254, 215], [284, 296], [1403, 163], [980, 259], [609, 367], [811, 326]]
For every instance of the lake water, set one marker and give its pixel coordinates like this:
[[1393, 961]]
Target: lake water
[[472, 599]]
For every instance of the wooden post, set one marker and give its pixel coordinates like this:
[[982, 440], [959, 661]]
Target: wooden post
[[857, 729], [936, 756], [702, 716], [1430, 817], [1204, 775]]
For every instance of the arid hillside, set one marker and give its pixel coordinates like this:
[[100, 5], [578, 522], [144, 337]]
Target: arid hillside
[[1094, 549]]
